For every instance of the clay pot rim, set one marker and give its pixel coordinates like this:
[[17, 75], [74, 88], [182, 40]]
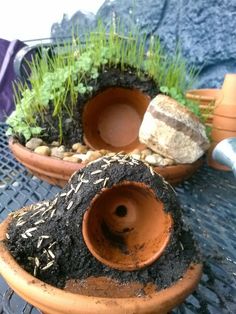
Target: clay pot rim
[[48, 168], [199, 94], [77, 166], [137, 264], [40, 293]]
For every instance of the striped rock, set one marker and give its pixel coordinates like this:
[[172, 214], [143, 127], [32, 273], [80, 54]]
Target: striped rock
[[171, 130]]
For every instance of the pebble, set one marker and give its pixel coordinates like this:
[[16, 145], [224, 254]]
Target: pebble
[[79, 148], [58, 152], [33, 143], [55, 144], [72, 159], [43, 150], [68, 154], [92, 155], [81, 153]]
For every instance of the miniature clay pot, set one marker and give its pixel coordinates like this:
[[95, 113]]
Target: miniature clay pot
[[58, 172], [206, 99], [111, 120], [51, 300], [224, 117], [120, 233], [229, 89]]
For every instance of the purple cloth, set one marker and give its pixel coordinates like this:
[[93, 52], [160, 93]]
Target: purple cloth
[[8, 51]]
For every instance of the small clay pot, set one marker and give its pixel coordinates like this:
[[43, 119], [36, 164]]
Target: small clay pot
[[126, 226], [51, 300], [229, 89], [224, 117], [58, 172], [111, 120], [206, 99]]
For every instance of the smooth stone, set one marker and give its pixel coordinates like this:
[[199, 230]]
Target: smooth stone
[[170, 129], [55, 144], [72, 159], [80, 156], [136, 156], [92, 155], [43, 150], [34, 143], [79, 148], [57, 152], [68, 154]]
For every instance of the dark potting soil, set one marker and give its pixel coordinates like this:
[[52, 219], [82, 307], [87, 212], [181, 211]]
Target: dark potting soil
[[109, 77], [47, 240]]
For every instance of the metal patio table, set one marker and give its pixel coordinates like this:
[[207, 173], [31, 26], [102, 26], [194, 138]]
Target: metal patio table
[[208, 200]]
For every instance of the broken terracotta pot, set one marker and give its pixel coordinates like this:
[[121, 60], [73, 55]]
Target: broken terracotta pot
[[111, 120], [58, 172], [51, 300], [119, 232]]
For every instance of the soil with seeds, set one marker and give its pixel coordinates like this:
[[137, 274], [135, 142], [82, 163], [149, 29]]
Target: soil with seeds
[[72, 126], [47, 240]]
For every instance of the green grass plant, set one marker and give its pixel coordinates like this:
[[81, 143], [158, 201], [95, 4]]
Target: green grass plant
[[58, 80]]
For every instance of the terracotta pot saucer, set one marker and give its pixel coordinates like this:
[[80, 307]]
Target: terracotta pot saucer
[[58, 172], [52, 300]]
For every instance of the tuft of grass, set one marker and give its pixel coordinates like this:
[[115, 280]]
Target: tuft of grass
[[58, 80]]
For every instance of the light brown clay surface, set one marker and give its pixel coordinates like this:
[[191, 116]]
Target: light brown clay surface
[[224, 123], [218, 135], [126, 227], [108, 288], [111, 120], [52, 300]]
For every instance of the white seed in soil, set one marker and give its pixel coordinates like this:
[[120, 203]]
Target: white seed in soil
[[41, 221], [98, 181], [105, 181], [51, 254], [48, 265], [78, 187], [7, 236], [36, 260], [70, 205], [24, 236]]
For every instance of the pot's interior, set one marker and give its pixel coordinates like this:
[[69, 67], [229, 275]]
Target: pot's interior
[[126, 226], [111, 119]]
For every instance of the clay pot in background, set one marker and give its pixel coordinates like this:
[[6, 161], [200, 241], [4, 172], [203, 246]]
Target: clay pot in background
[[206, 99], [111, 120], [117, 228], [224, 117], [51, 300]]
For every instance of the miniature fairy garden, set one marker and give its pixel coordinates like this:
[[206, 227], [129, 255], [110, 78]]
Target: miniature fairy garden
[[50, 239], [67, 108]]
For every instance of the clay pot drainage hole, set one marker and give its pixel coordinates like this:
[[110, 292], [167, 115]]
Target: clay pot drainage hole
[[111, 120], [126, 226]]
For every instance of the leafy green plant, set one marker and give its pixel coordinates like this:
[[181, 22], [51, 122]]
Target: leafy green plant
[[59, 80]]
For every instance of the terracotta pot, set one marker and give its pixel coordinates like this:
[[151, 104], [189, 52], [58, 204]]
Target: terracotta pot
[[58, 172], [118, 214], [229, 89], [218, 134], [111, 120], [224, 117], [206, 99], [212, 163], [52, 300]]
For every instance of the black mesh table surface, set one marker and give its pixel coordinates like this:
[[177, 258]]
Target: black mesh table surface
[[208, 200]]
